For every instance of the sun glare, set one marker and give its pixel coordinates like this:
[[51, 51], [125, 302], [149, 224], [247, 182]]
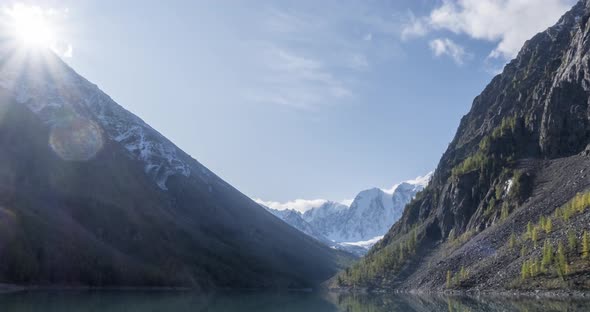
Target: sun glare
[[30, 26]]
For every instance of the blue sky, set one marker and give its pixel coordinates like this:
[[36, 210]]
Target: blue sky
[[300, 99]]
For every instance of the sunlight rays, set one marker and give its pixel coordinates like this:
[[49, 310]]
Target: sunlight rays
[[30, 26], [32, 74], [35, 28]]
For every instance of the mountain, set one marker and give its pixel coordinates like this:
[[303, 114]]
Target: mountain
[[371, 214], [295, 219], [357, 227], [507, 205], [92, 195]]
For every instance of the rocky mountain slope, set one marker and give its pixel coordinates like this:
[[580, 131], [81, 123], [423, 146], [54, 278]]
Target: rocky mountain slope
[[357, 227], [92, 195], [507, 205]]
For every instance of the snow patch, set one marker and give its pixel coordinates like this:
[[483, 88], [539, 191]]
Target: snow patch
[[364, 244], [58, 91], [508, 186]]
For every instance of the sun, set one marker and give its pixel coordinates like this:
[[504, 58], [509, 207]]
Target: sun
[[30, 26]]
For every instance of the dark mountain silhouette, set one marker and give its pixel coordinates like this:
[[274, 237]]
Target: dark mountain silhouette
[[91, 195]]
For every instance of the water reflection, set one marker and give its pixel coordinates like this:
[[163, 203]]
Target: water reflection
[[439, 303], [261, 302]]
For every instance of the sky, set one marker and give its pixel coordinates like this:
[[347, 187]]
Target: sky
[[300, 99]]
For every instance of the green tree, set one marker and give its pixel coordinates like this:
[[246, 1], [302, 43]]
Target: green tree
[[562, 266], [572, 241], [529, 230], [463, 273], [548, 225], [542, 220], [534, 237], [547, 255], [504, 213], [524, 271], [512, 241], [449, 281]]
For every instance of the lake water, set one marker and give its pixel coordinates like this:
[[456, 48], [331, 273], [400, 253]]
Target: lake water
[[128, 301]]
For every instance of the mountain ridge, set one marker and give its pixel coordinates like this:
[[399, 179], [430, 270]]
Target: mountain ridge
[[93, 196], [519, 156], [354, 228]]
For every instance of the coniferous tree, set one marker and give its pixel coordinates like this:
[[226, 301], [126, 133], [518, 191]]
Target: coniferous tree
[[572, 241], [524, 271], [512, 241], [548, 225], [463, 273], [449, 279], [547, 255], [504, 213], [562, 266]]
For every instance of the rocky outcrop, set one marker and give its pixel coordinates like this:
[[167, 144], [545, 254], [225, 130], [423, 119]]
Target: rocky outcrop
[[535, 115]]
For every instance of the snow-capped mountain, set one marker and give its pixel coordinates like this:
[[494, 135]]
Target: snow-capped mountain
[[363, 223], [321, 212]]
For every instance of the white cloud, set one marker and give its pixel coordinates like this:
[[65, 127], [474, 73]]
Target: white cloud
[[301, 205], [446, 46], [358, 61], [298, 81], [391, 190], [414, 27], [508, 22], [312, 60]]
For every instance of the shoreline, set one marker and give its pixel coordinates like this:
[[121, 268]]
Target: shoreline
[[546, 294]]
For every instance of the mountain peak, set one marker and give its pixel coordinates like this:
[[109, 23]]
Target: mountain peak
[[97, 197], [363, 222]]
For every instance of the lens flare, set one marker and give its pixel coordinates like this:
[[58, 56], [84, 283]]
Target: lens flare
[[76, 139]]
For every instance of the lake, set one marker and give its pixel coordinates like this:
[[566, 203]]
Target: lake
[[130, 301]]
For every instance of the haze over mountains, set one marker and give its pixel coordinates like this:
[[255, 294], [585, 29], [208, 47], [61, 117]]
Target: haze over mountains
[[92, 195], [355, 227]]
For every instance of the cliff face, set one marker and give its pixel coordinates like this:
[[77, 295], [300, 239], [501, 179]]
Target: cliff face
[[516, 157]]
